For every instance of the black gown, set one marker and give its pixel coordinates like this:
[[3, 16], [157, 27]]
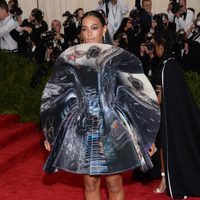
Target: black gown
[[180, 132], [99, 112]]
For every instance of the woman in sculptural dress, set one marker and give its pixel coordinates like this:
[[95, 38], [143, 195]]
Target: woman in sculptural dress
[[99, 113]]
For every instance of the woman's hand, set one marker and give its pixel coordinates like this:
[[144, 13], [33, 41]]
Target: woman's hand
[[152, 150], [159, 93], [47, 145]]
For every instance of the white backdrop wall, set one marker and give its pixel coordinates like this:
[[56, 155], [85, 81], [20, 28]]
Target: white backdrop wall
[[53, 9]]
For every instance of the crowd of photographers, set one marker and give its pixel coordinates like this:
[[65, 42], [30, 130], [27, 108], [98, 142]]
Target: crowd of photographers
[[178, 26], [136, 33]]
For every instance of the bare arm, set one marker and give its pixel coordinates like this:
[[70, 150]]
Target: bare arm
[[47, 145], [159, 93]]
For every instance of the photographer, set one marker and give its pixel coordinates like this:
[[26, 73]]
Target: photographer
[[22, 35], [146, 54], [39, 26], [115, 11], [37, 49], [121, 36], [192, 47], [135, 36], [178, 13], [7, 24], [15, 10], [145, 14], [28, 36], [163, 28], [55, 42], [72, 26]]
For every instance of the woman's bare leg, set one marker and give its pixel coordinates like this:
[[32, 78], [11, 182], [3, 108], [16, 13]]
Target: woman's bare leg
[[162, 186], [115, 187], [92, 187]]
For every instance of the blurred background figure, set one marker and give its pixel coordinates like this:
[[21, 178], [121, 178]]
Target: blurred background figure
[[178, 13], [115, 11], [7, 23], [72, 26], [145, 14], [192, 47], [55, 42], [15, 10]]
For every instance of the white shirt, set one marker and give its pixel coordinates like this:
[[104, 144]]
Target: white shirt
[[195, 36], [182, 23], [115, 15], [6, 41]]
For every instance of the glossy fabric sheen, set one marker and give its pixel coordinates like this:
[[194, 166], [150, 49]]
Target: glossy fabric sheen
[[99, 112]]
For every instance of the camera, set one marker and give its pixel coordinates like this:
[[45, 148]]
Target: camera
[[181, 38], [52, 43], [48, 38], [14, 8], [175, 6], [148, 43], [122, 38], [69, 19]]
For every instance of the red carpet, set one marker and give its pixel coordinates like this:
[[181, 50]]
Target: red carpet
[[22, 157]]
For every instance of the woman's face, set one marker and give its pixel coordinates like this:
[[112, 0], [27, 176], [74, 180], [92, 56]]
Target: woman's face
[[92, 30]]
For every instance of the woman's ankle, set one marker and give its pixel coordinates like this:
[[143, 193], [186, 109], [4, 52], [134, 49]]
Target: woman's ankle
[[163, 174]]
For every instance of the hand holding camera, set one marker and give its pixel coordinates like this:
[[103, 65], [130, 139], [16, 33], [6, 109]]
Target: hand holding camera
[[144, 48], [26, 29]]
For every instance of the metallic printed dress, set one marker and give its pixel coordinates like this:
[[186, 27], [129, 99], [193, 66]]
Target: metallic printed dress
[[99, 112]]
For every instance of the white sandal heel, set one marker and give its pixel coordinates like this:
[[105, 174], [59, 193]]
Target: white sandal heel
[[158, 190]]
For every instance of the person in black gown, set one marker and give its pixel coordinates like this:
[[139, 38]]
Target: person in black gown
[[179, 133]]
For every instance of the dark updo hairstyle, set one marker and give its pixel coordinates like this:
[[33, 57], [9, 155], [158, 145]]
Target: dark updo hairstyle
[[96, 14], [168, 53]]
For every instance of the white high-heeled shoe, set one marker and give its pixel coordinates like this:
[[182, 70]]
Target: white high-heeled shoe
[[158, 190]]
